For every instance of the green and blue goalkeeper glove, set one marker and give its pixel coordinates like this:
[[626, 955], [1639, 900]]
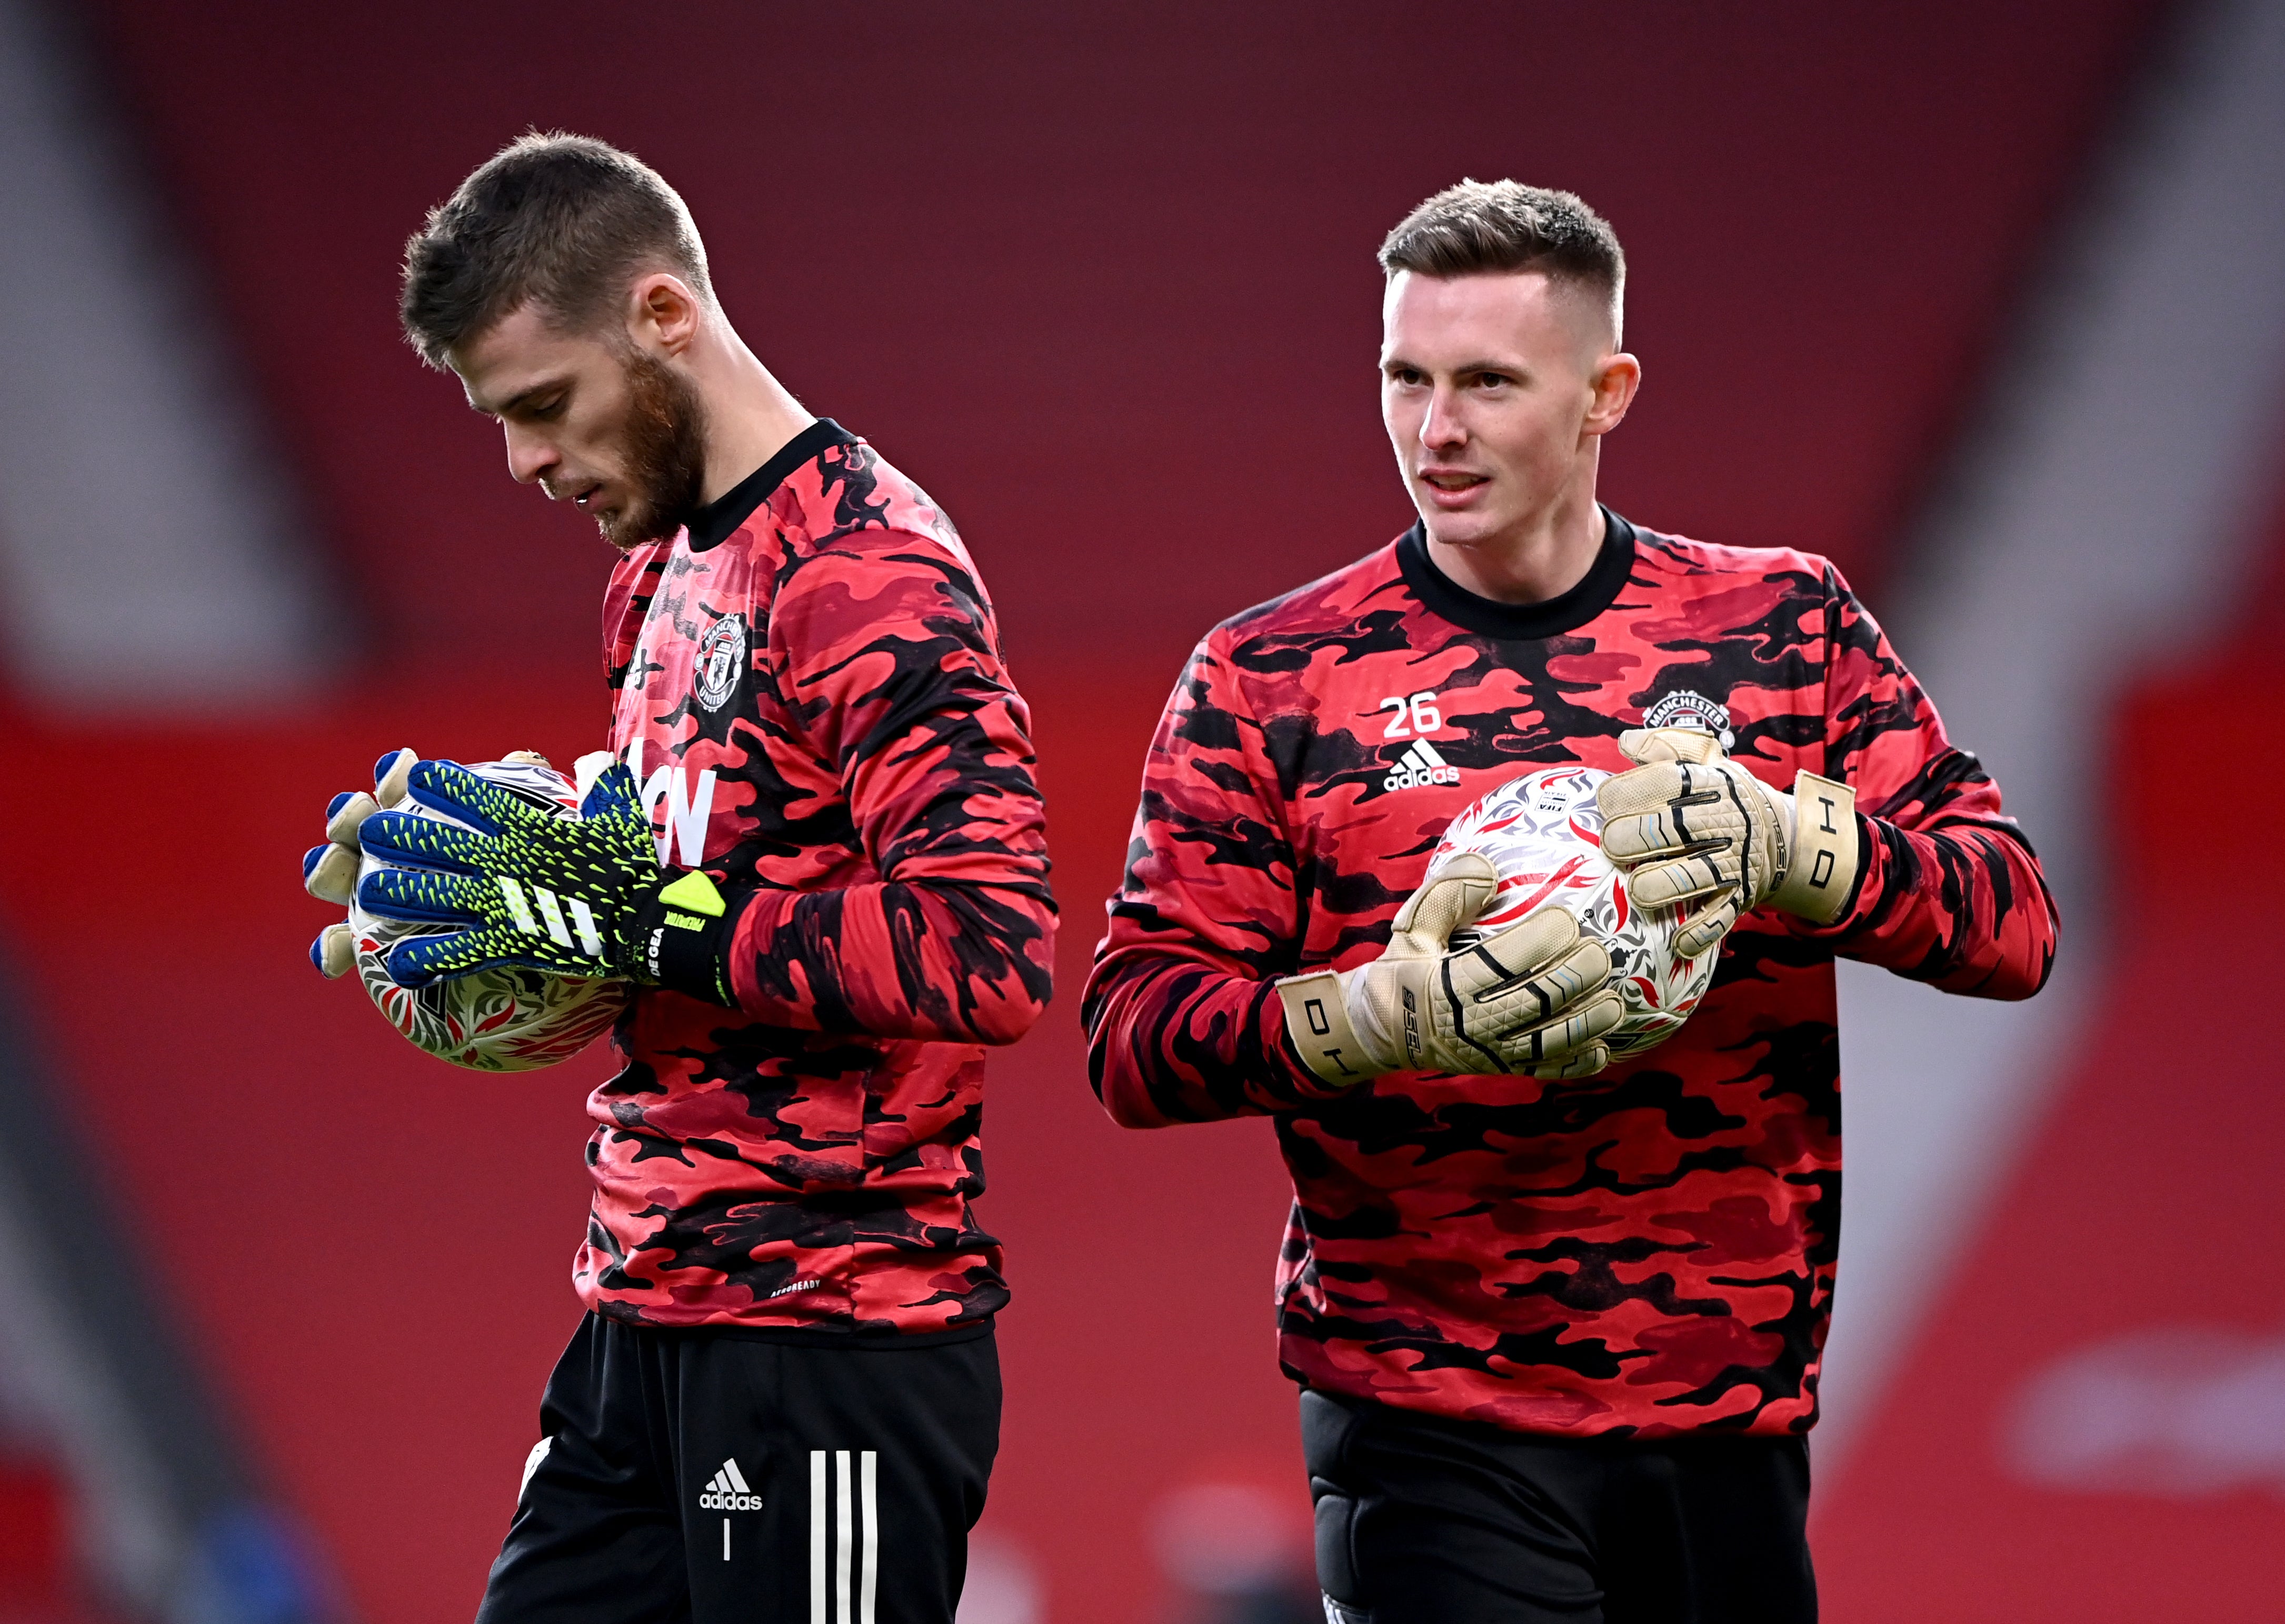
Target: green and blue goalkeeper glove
[[506, 881]]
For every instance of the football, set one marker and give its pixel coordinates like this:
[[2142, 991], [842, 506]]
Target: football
[[1543, 835], [507, 1019]]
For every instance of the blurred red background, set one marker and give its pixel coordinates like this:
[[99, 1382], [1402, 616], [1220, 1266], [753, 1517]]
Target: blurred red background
[[1103, 282]]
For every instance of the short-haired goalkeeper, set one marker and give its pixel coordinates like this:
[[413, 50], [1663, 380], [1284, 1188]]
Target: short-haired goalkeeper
[[818, 854], [1555, 1320]]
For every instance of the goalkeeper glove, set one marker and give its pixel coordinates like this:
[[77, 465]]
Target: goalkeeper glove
[[1533, 999], [580, 895], [329, 871], [1691, 825]]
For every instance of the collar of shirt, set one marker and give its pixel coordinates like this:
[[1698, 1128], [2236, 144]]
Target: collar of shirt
[[1595, 591], [717, 522]]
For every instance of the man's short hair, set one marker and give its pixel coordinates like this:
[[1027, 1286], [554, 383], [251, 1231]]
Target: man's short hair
[[1481, 228], [563, 221]]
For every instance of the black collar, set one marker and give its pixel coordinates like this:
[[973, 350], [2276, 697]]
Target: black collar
[[715, 523], [1595, 591]]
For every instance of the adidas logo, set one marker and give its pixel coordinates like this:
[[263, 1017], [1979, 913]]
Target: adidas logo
[[583, 917], [1420, 765], [728, 1492]]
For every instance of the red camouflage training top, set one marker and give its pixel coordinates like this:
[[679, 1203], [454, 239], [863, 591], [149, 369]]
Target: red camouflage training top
[[816, 706], [1647, 1252]]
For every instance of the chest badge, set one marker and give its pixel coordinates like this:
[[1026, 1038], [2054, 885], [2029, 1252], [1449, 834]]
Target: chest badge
[[1686, 708], [721, 662]]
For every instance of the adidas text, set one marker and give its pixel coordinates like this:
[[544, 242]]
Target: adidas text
[[728, 1492], [1420, 766]]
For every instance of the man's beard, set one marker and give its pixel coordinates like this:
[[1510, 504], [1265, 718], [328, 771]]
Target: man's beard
[[665, 456]]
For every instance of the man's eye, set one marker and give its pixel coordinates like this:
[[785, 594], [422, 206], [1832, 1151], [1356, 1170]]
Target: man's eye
[[1493, 380]]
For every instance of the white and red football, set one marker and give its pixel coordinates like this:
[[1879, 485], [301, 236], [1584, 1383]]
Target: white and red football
[[1543, 835]]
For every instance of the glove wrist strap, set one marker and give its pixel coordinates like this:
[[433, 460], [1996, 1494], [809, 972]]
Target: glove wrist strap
[[1822, 869], [682, 937], [1317, 1024]]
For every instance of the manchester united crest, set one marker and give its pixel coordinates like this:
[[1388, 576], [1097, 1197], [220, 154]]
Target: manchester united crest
[[1688, 709], [721, 662]]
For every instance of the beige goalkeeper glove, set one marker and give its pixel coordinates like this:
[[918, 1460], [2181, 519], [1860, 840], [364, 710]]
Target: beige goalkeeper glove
[[1532, 998], [1691, 825], [329, 872]]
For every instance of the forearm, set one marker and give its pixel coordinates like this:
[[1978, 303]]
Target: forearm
[[1174, 1039], [1948, 890], [936, 959], [1962, 905]]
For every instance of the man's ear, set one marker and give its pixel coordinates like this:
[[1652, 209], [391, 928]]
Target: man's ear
[[662, 313], [1615, 380]]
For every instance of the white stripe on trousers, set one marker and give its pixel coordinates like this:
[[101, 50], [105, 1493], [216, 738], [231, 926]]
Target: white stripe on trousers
[[846, 1547]]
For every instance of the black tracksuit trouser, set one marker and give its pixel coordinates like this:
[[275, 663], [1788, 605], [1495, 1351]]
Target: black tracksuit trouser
[[724, 1476], [1425, 1520]]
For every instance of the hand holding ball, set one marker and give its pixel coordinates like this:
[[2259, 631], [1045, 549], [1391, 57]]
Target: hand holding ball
[[505, 1018], [1543, 835]]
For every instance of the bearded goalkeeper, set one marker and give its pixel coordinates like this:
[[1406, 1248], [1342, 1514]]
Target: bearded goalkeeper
[[1555, 1321], [817, 856]]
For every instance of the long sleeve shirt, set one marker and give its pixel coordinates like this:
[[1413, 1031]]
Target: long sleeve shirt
[[1649, 1250], [811, 693]]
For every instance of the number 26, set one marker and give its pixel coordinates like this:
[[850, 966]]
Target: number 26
[[1417, 714]]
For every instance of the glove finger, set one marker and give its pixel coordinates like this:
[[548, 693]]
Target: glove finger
[[1673, 786], [1635, 838], [1649, 744], [419, 960], [449, 788], [614, 790], [1595, 1057], [389, 776], [329, 873], [1539, 937], [1666, 884], [344, 813], [614, 826], [1569, 1035], [1670, 829], [1703, 931], [535, 918], [425, 842], [421, 896], [588, 770], [1639, 790], [1455, 895], [1529, 1001], [334, 950]]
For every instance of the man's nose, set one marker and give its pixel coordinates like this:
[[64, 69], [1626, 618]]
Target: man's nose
[[528, 456], [1441, 428]]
